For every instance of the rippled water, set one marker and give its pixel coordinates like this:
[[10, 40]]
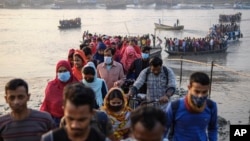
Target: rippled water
[[31, 45]]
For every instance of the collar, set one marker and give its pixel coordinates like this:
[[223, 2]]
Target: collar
[[114, 64]]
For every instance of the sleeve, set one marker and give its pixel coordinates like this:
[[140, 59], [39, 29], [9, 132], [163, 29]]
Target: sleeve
[[141, 79], [213, 125], [171, 78], [98, 71], [104, 89], [44, 106], [170, 118], [121, 75]]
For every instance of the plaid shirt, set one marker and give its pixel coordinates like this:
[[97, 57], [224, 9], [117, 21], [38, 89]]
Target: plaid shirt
[[156, 85]]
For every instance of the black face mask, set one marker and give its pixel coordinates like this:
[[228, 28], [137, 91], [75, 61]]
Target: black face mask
[[115, 108], [90, 80]]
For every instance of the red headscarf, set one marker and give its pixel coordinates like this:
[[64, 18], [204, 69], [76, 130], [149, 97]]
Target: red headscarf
[[76, 72], [54, 92]]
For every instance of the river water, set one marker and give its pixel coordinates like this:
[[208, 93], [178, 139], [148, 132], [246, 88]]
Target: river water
[[31, 45]]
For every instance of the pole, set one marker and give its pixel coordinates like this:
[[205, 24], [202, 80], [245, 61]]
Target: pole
[[181, 71], [211, 78]]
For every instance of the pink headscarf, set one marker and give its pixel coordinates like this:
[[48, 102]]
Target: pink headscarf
[[129, 57]]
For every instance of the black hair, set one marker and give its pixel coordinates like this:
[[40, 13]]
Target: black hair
[[199, 77], [88, 70], [146, 48], [155, 61], [79, 95], [115, 93], [148, 116], [110, 49], [87, 51], [13, 84]]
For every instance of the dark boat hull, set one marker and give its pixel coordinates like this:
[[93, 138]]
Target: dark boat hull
[[178, 53], [155, 51], [69, 27]]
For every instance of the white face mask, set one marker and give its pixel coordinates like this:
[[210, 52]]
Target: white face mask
[[107, 60]]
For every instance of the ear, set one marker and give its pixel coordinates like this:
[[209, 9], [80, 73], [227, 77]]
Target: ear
[[63, 107], [28, 96], [189, 86]]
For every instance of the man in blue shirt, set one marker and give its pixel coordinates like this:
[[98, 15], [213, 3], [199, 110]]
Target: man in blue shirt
[[195, 118]]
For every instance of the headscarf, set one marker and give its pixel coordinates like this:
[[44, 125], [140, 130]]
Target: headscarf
[[71, 53], [127, 60], [77, 73], [120, 121], [54, 92], [96, 85]]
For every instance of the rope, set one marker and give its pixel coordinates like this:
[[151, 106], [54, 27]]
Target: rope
[[216, 65]]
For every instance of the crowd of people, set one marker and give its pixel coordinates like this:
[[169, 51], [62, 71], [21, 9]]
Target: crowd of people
[[88, 99]]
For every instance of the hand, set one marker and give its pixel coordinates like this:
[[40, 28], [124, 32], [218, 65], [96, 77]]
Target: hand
[[117, 84], [164, 99]]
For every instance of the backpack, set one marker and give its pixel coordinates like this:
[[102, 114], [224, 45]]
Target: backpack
[[164, 69], [175, 105]]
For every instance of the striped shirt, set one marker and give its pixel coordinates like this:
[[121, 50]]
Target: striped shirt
[[29, 129], [156, 85]]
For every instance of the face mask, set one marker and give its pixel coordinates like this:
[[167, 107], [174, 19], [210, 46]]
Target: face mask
[[90, 80], [115, 108], [63, 76], [145, 55], [107, 60], [198, 101]]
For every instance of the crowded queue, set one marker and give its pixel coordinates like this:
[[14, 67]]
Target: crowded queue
[[88, 100]]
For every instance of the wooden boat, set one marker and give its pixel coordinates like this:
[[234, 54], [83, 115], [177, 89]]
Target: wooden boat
[[181, 53], [167, 27], [71, 23]]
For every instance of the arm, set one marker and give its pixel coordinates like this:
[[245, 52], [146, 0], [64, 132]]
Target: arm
[[141, 79], [121, 77], [171, 78], [213, 125]]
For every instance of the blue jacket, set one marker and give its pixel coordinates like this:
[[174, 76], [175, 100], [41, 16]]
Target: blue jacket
[[193, 126]]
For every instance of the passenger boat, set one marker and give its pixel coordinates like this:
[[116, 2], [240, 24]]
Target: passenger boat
[[188, 53], [224, 18], [70, 23], [168, 27]]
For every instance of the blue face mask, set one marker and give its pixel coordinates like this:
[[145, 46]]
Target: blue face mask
[[107, 60], [63, 76], [145, 55], [198, 101]]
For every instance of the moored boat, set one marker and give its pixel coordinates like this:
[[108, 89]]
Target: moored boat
[[224, 18], [181, 53], [71, 23], [168, 27]]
